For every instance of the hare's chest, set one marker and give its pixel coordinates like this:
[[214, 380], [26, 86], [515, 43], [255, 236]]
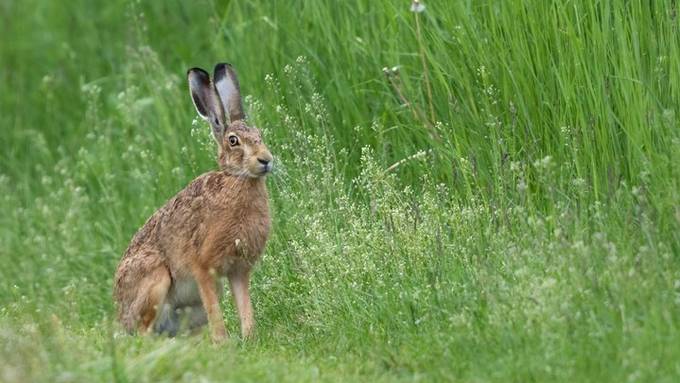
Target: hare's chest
[[250, 234], [241, 234]]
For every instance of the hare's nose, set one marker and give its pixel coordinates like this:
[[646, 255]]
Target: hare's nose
[[263, 161]]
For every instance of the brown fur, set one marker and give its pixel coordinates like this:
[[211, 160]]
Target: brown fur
[[216, 227]]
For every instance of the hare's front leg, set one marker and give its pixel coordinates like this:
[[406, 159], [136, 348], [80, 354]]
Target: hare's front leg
[[239, 281], [207, 289]]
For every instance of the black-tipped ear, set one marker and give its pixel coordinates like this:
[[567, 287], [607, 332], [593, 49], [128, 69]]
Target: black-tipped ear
[[199, 81], [229, 91], [206, 101]]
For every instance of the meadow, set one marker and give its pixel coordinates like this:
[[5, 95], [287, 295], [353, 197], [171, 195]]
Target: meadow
[[485, 191]]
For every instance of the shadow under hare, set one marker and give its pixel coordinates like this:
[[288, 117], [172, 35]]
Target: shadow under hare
[[170, 277]]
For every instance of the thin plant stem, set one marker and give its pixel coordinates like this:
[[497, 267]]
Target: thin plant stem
[[426, 71]]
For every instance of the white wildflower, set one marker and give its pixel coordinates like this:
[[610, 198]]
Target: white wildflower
[[417, 6]]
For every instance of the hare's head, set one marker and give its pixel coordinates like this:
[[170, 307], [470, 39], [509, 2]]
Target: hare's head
[[240, 148]]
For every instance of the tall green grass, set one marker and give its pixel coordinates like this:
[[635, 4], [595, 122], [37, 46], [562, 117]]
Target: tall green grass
[[485, 191]]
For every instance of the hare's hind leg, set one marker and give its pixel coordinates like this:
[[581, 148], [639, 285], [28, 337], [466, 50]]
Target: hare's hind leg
[[149, 303]]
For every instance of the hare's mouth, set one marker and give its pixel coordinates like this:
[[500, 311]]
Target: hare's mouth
[[264, 170], [259, 171]]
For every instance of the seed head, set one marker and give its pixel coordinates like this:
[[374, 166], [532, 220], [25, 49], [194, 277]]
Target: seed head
[[417, 6]]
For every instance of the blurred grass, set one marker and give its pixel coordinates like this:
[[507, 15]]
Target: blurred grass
[[526, 228]]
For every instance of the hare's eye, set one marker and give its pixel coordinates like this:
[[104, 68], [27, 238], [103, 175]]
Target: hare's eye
[[233, 140]]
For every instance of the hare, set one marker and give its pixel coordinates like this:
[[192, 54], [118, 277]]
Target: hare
[[170, 277]]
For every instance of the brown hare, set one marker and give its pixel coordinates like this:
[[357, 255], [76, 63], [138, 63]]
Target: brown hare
[[170, 277]]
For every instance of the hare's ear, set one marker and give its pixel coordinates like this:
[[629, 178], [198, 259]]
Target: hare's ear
[[206, 101], [229, 91]]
